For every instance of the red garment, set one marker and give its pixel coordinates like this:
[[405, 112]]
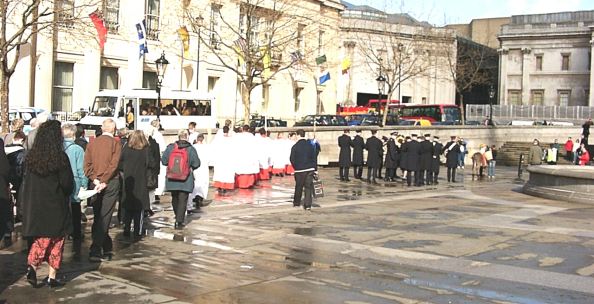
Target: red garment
[[569, 145], [264, 174], [289, 169], [46, 249], [584, 158], [226, 186], [244, 181]]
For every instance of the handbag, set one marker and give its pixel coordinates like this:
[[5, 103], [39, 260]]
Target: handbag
[[318, 186]]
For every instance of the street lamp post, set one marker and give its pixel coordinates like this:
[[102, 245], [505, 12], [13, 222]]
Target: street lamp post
[[199, 22], [400, 49], [491, 95], [381, 83], [161, 65]]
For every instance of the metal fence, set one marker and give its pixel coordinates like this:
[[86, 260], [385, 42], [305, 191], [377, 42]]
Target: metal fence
[[572, 114]]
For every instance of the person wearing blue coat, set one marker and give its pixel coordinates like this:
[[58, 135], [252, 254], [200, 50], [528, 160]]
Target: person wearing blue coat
[[180, 190], [76, 156]]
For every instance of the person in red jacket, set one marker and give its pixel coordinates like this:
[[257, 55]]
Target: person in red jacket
[[569, 149], [585, 157]]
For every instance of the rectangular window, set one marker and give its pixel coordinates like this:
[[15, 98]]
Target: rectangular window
[[539, 62], [215, 15], [537, 97], [565, 62], [108, 78], [153, 9], [300, 41], [111, 13], [321, 42], [149, 80], [297, 98], [212, 83], [63, 84], [514, 97], [564, 96], [66, 13]]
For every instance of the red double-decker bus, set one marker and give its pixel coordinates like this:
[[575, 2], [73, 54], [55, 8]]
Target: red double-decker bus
[[371, 107]]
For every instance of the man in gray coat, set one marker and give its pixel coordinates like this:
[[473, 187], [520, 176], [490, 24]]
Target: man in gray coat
[[180, 189]]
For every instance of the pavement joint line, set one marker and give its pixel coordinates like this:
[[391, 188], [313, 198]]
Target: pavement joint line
[[448, 264]]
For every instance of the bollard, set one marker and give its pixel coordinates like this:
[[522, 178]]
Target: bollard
[[520, 166]]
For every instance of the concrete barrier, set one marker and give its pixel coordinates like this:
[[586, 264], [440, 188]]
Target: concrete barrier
[[565, 183], [474, 135]]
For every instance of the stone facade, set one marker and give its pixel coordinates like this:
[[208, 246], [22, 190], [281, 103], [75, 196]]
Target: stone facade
[[546, 60], [483, 31]]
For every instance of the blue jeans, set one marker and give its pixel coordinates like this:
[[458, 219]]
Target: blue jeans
[[461, 159], [491, 168]]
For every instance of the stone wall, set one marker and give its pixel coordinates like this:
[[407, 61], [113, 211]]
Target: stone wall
[[474, 135]]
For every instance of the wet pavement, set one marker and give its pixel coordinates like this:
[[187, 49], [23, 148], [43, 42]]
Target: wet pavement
[[469, 242]]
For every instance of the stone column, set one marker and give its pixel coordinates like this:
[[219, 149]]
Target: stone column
[[525, 76], [591, 97], [502, 95]]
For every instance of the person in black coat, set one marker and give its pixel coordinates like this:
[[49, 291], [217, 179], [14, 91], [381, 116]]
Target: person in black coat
[[344, 156], [392, 157], [45, 193], [303, 159], [425, 160], [358, 145], [5, 204], [436, 162], [152, 182], [452, 152], [404, 155], [375, 153], [413, 153], [135, 164]]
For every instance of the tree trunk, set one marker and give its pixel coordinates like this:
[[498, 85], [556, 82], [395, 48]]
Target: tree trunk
[[4, 106], [245, 99]]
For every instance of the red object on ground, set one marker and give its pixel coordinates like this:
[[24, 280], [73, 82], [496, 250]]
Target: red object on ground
[[245, 181]]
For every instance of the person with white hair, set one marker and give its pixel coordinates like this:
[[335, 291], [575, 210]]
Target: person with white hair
[[158, 137], [101, 167], [35, 123]]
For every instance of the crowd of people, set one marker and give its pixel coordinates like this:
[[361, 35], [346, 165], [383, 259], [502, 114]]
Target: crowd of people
[[419, 158]]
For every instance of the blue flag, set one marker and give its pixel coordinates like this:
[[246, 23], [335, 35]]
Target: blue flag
[[325, 77], [142, 45]]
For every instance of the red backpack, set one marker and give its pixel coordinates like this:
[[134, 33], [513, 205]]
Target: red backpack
[[178, 167]]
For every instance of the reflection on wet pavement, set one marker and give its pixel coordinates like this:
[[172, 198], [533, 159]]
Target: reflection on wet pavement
[[471, 242]]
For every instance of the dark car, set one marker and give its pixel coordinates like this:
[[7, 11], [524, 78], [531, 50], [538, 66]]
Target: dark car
[[356, 119], [321, 120], [374, 120], [262, 121]]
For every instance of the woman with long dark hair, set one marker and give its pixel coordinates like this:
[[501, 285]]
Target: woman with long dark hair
[[47, 186], [135, 164]]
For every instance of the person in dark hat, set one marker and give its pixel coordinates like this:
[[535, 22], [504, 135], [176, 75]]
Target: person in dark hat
[[452, 152], [375, 151], [413, 153], [358, 145], [344, 156], [392, 158], [436, 162], [425, 160]]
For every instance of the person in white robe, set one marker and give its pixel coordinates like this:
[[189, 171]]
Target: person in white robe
[[223, 160], [201, 174], [248, 166], [158, 137]]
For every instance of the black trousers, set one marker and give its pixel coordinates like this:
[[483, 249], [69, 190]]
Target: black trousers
[[136, 216], [371, 173], [76, 223], [179, 202], [344, 173], [452, 174], [432, 177], [358, 172], [303, 183], [390, 173], [409, 177], [103, 208]]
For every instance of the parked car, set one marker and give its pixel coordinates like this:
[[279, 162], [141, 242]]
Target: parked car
[[25, 113], [415, 122], [261, 121], [321, 120], [356, 119], [374, 120]]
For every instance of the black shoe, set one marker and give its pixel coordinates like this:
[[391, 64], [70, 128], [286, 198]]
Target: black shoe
[[83, 217], [179, 226], [107, 256], [347, 180], [53, 283], [127, 232], [31, 276], [94, 259]]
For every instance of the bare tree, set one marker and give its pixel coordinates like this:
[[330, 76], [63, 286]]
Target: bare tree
[[399, 52], [258, 46], [468, 67], [20, 22]]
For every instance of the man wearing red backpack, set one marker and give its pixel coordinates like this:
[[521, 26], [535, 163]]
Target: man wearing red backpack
[[181, 159]]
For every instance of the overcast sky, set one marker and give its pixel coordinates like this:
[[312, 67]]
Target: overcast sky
[[440, 12]]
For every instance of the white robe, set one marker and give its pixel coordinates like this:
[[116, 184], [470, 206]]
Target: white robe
[[201, 174], [158, 137], [264, 151], [247, 159], [223, 160]]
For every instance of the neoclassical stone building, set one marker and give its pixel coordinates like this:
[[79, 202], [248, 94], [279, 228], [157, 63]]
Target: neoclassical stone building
[[546, 59]]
